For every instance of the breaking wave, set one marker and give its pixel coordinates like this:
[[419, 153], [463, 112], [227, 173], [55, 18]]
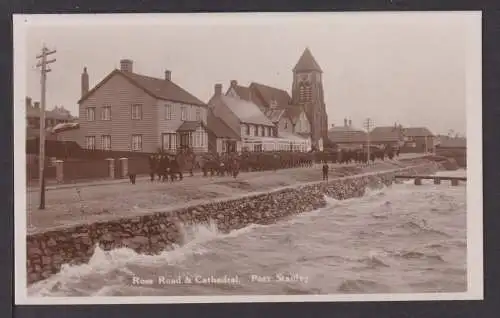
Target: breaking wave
[[351, 246]]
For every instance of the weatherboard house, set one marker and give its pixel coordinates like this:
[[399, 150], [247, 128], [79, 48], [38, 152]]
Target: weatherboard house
[[127, 111]]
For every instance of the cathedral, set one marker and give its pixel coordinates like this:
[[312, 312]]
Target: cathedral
[[301, 113], [307, 91]]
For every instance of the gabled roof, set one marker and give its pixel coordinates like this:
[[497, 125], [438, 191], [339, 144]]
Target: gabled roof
[[247, 112], [242, 91], [156, 87], [274, 115], [219, 128], [387, 134], [190, 126], [417, 132], [268, 94], [346, 135], [307, 63], [293, 112]]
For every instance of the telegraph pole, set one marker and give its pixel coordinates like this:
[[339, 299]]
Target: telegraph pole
[[368, 124], [43, 64]]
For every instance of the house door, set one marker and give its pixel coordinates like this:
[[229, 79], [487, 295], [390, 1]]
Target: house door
[[231, 146], [118, 169], [185, 140]]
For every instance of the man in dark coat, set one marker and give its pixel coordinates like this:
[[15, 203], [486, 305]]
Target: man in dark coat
[[325, 171]]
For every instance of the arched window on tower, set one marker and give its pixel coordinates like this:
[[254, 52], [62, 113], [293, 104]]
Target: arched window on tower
[[305, 92]]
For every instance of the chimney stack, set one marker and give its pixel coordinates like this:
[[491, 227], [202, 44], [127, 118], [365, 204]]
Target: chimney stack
[[84, 82], [345, 122], [218, 89], [126, 65], [234, 83], [168, 75], [28, 102], [36, 105], [350, 123]]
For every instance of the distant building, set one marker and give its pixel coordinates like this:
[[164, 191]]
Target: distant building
[[392, 136], [419, 139], [276, 104], [128, 111], [53, 117], [347, 136], [255, 130], [221, 137], [302, 115], [454, 147], [408, 139]]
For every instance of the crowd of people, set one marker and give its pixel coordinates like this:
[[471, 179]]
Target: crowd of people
[[172, 166]]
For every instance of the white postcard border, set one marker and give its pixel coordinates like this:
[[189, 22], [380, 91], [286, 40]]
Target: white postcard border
[[474, 158]]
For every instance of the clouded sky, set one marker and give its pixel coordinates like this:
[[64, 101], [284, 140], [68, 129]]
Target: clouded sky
[[392, 67]]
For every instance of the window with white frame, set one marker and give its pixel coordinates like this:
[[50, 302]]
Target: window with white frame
[[136, 142], [91, 113], [248, 129], [168, 141], [106, 113], [90, 142], [183, 113], [168, 111], [106, 142], [252, 130], [137, 112], [198, 114]]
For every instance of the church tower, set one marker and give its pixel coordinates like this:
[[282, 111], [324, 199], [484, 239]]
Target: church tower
[[307, 90]]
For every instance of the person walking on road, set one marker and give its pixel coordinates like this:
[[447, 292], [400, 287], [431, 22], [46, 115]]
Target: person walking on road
[[325, 171]]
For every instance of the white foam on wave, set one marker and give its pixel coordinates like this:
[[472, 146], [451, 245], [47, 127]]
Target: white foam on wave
[[103, 263]]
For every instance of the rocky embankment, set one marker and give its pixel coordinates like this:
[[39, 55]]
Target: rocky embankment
[[154, 232]]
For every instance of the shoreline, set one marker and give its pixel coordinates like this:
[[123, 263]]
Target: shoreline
[[69, 207], [154, 231]]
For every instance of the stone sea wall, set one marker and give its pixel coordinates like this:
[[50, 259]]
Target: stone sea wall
[[153, 233]]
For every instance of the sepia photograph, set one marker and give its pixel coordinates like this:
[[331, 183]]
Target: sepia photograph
[[183, 158]]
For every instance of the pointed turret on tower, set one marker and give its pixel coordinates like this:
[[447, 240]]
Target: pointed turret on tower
[[307, 63]]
